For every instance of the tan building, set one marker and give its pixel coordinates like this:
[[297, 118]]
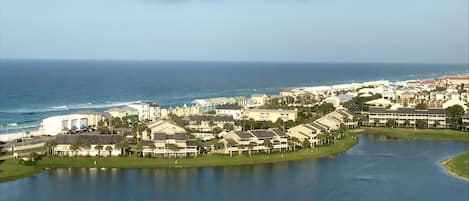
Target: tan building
[[185, 110], [269, 115], [170, 145], [240, 142], [162, 126]]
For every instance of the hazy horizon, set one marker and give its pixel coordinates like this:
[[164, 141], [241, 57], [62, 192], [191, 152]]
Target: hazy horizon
[[317, 31]]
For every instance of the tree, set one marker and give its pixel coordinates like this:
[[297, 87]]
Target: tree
[[406, 123], [139, 148], [123, 145], [391, 123], [228, 127], [421, 106], [50, 145], [455, 113], [294, 142], [109, 149], [268, 144], [211, 124], [306, 143], [75, 146], [99, 147], [420, 123], [173, 147], [251, 145], [217, 130]]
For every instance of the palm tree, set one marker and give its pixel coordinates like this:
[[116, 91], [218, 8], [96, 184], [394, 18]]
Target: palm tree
[[123, 145], [293, 142], [153, 147], [86, 146], [99, 148], [268, 144], [251, 145], [75, 146], [139, 147], [109, 149], [50, 145]]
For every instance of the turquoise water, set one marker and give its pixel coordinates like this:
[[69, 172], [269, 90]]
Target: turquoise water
[[371, 171], [31, 90]]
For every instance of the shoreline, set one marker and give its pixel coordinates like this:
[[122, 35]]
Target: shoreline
[[416, 134], [203, 161], [446, 164]]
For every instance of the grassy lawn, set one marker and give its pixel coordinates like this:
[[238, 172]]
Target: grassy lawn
[[458, 165], [418, 134], [12, 165]]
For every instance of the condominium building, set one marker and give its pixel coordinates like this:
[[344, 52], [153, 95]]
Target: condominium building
[[162, 126], [206, 122], [147, 111], [88, 145], [269, 115], [170, 145], [465, 121], [73, 122], [407, 117], [254, 141], [229, 109]]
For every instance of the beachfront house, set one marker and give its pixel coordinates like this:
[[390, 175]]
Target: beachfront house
[[239, 142], [166, 145], [233, 110], [87, 145], [69, 123], [147, 111], [121, 112]]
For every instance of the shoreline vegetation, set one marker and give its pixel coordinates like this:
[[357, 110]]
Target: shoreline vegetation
[[458, 166], [10, 169], [416, 134]]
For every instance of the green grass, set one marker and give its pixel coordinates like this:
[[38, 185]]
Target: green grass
[[418, 134], [11, 169], [10, 165], [458, 165]]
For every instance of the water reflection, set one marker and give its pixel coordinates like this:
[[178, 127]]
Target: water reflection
[[373, 170]]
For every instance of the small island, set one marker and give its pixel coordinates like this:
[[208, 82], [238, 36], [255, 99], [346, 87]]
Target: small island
[[458, 166]]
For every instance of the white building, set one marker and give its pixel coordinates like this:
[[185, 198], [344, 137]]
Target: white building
[[269, 115], [147, 111], [162, 126], [254, 141], [230, 110], [98, 145], [73, 122]]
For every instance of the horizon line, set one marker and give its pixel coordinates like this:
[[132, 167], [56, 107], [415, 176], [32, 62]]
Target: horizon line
[[226, 61]]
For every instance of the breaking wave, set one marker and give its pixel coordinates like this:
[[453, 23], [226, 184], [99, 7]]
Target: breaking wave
[[72, 107]]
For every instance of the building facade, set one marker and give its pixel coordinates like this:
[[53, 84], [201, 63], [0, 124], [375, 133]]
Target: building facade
[[269, 115], [64, 123], [88, 145], [407, 117]]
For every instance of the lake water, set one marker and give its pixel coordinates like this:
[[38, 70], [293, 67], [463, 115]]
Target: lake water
[[373, 170]]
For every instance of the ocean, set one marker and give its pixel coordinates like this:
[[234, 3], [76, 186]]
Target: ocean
[[31, 90]]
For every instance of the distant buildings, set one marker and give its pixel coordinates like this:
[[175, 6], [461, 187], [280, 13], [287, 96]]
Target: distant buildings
[[87, 145], [269, 115], [186, 110], [121, 112], [206, 122]]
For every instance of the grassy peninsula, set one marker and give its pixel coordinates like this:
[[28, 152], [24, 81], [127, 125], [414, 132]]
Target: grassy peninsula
[[10, 169], [458, 165], [417, 134]]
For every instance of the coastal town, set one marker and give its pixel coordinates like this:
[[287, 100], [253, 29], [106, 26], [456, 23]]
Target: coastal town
[[295, 119]]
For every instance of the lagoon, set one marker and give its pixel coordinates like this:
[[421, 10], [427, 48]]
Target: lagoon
[[372, 170]]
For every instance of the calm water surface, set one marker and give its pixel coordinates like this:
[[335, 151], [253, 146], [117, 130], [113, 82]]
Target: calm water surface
[[372, 171]]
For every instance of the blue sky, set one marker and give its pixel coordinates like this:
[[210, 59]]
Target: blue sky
[[237, 30]]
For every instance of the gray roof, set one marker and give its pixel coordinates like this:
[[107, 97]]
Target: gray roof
[[214, 118], [262, 133], [89, 138], [318, 126], [229, 107], [279, 132], [164, 136], [191, 143], [407, 111], [243, 134]]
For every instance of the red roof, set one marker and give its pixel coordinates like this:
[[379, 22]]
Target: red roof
[[287, 90]]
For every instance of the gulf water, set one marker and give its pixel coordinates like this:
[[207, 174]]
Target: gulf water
[[31, 90]]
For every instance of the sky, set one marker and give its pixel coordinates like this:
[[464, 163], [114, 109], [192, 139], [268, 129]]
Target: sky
[[403, 31]]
